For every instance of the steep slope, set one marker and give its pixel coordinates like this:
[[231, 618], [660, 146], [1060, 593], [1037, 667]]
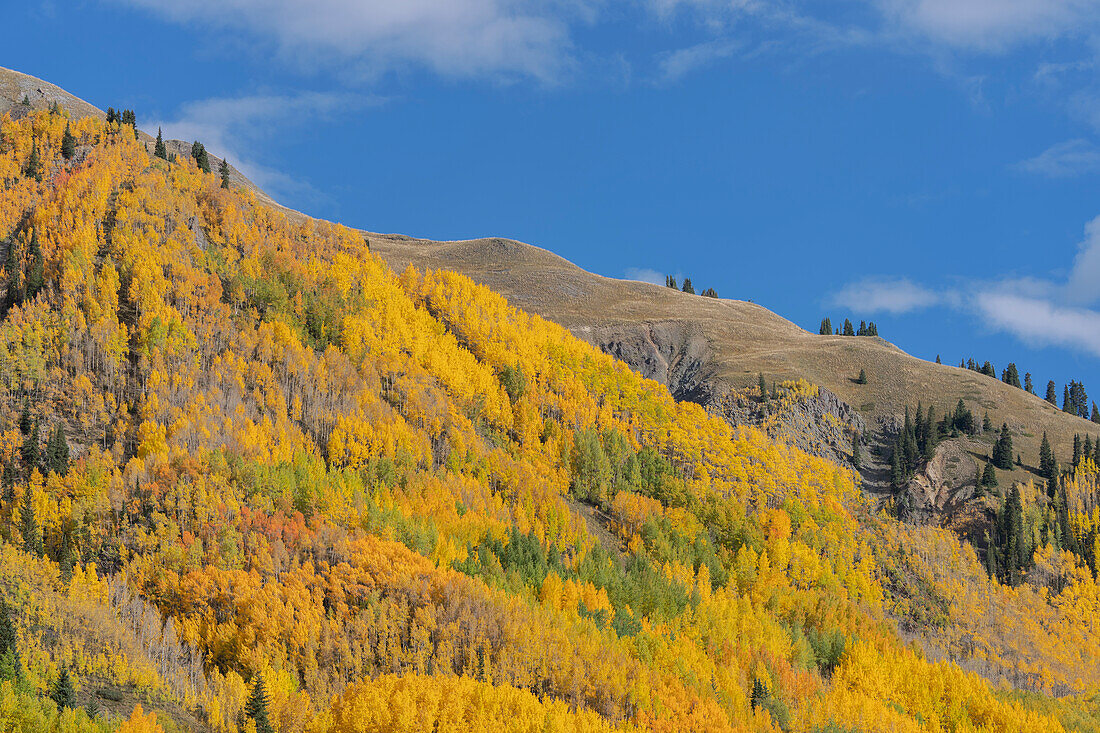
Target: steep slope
[[354, 493], [704, 347], [17, 87]]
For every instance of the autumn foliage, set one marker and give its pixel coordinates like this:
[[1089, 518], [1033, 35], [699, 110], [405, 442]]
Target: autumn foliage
[[407, 504]]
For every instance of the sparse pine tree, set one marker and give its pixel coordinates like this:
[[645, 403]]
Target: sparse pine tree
[[1067, 406], [1095, 414], [68, 143], [1052, 394], [709, 293], [1077, 446], [160, 150], [670, 282], [989, 476], [200, 156], [223, 171], [938, 359], [1029, 387], [687, 286], [759, 695], [1011, 376], [857, 460], [862, 378], [826, 328], [987, 423], [848, 330], [763, 387], [1002, 450], [26, 101], [1048, 466], [256, 707]]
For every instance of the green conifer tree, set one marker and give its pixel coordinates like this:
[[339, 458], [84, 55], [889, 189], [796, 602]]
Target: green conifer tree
[[223, 171], [61, 691], [1052, 394], [1002, 451], [36, 278], [160, 150], [68, 143], [256, 706], [26, 422], [1048, 466], [862, 378], [33, 167], [28, 524], [1029, 387], [57, 451], [989, 476], [688, 287], [10, 665]]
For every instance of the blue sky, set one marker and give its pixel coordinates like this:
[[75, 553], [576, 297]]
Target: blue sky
[[928, 164]]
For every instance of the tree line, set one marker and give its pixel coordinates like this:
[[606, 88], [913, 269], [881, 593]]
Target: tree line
[[670, 282], [847, 329]]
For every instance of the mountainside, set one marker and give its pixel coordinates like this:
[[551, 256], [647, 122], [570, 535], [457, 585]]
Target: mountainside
[[703, 348], [17, 88], [255, 478]]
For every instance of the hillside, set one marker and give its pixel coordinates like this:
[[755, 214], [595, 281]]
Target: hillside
[[15, 87], [704, 347], [362, 497]]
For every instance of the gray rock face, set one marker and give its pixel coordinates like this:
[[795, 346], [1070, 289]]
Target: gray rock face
[[676, 354], [672, 353]]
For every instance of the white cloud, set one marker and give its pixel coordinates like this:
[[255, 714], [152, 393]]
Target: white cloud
[[645, 275], [1071, 158], [675, 65], [1040, 311], [236, 127], [991, 25], [1041, 322], [884, 295], [1083, 286], [527, 38]]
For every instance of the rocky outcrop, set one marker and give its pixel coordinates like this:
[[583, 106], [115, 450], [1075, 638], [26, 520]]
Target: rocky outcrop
[[673, 353]]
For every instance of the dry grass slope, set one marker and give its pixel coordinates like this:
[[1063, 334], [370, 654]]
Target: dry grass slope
[[741, 339]]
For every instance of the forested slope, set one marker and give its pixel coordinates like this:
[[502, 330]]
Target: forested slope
[[351, 494]]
